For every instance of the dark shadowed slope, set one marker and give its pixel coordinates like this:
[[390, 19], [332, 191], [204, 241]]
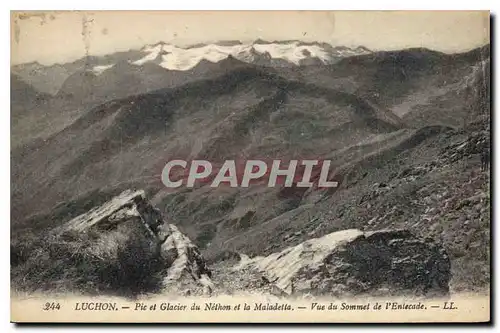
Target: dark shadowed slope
[[85, 89], [410, 83], [247, 112], [26, 103], [49, 79], [124, 79], [23, 97], [239, 111]]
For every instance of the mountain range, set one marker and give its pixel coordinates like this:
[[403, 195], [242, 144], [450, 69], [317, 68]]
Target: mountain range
[[392, 122], [49, 79]]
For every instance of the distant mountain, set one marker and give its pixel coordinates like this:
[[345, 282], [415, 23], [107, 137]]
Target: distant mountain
[[411, 83], [245, 111], [124, 79], [50, 79], [287, 53], [20, 91], [252, 109], [86, 89], [24, 97], [420, 86]]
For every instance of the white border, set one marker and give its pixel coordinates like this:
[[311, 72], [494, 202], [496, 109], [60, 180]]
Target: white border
[[256, 5]]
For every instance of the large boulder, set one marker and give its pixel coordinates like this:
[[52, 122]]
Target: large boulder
[[182, 264], [352, 262]]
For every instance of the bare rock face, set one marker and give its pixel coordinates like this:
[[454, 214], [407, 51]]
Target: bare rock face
[[184, 266], [352, 262]]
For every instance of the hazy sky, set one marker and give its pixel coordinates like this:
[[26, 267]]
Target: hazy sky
[[50, 37]]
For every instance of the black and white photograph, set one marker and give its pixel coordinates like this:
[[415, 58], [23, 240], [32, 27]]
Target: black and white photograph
[[250, 166]]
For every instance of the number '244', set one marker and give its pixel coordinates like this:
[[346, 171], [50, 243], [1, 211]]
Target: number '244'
[[51, 306]]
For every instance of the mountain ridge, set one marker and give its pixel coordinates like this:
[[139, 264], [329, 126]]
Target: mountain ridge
[[176, 56]]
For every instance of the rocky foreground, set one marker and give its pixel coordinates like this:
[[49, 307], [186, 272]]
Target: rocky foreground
[[128, 233]]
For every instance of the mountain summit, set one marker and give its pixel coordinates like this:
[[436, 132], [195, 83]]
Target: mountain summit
[[276, 53], [176, 58]]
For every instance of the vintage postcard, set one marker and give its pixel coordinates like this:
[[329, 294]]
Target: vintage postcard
[[250, 167]]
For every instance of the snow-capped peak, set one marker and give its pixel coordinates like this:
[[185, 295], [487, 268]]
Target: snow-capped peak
[[269, 53], [100, 69], [293, 52]]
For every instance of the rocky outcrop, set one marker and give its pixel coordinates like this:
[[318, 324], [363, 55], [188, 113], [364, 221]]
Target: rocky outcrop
[[353, 262], [182, 260], [126, 241]]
